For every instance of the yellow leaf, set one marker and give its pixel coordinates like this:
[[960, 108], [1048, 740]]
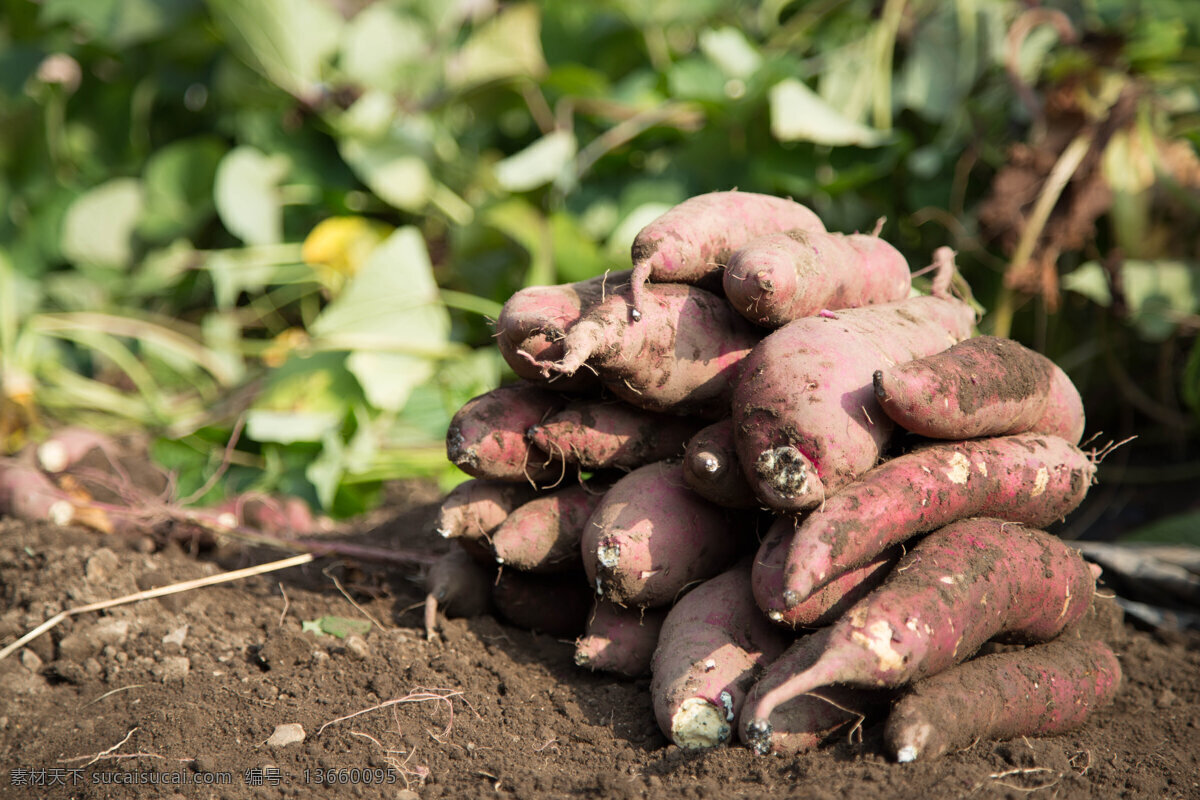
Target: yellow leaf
[[341, 245]]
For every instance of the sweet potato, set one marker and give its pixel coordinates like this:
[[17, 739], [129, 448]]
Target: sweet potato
[[612, 434], [682, 358], [474, 508], [968, 582], [66, 447], [985, 386], [557, 604], [711, 468], [803, 722], [806, 421], [1042, 689], [534, 320], [827, 604], [781, 277], [620, 639], [486, 437], [651, 536], [1023, 478], [543, 535], [695, 239], [458, 585], [711, 647]]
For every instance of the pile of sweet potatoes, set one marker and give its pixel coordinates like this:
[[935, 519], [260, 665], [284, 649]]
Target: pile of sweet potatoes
[[798, 493]]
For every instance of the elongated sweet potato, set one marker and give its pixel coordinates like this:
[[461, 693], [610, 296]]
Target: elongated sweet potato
[[556, 604], [985, 386], [803, 722], [682, 358], [806, 421], [651, 536], [533, 322], [827, 604], [781, 277], [1023, 478], [458, 585], [486, 437], [712, 470], [543, 535], [1040, 690], [712, 645], [620, 639], [695, 239], [612, 434], [474, 508], [968, 582]]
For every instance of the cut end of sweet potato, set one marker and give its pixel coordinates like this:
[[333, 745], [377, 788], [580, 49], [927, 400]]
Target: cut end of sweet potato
[[787, 480], [758, 736], [914, 743], [700, 724]]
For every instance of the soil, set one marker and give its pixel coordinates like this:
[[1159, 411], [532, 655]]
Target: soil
[[192, 687]]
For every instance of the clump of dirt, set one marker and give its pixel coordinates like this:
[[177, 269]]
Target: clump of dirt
[[206, 689]]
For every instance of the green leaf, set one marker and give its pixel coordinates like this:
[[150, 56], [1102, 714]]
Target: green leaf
[[799, 114], [546, 160], [391, 319], [341, 627], [288, 41], [392, 169], [1178, 529], [730, 50], [1158, 294], [507, 46], [303, 400], [247, 194], [119, 23], [179, 187], [380, 47], [100, 224]]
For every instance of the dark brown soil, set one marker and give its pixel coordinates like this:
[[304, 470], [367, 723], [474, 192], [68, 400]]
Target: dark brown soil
[[192, 686]]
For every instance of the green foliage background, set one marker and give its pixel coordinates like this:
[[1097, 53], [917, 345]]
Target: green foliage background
[[292, 219]]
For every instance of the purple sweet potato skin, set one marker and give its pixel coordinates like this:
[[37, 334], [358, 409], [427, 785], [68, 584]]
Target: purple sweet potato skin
[[620, 639], [696, 238], [1040, 690], [1064, 412], [651, 536], [968, 582], [486, 437], [803, 722], [782, 277], [556, 604], [543, 535], [460, 584], [985, 386], [682, 357], [534, 321], [712, 646], [824, 606], [612, 434], [712, 470], [474, 508], [806, 390], [1026, 478]]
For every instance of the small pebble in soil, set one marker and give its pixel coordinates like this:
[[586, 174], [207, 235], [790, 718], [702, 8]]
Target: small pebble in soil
[[285, 734]]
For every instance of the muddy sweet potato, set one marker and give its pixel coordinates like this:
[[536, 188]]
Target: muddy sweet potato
[[486, 437], [620, 639], [806, 420], [695, 239], [713, 643], [474, 508], [801, 723], [1023, 478], [1040, 690], [782, 277], [712, 470], [960, 586], [457, 584], [612, 434], [543, 535], [651, 536], [984, 386], [557, 604], [534, 320], [823, 606], [681, 358]]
